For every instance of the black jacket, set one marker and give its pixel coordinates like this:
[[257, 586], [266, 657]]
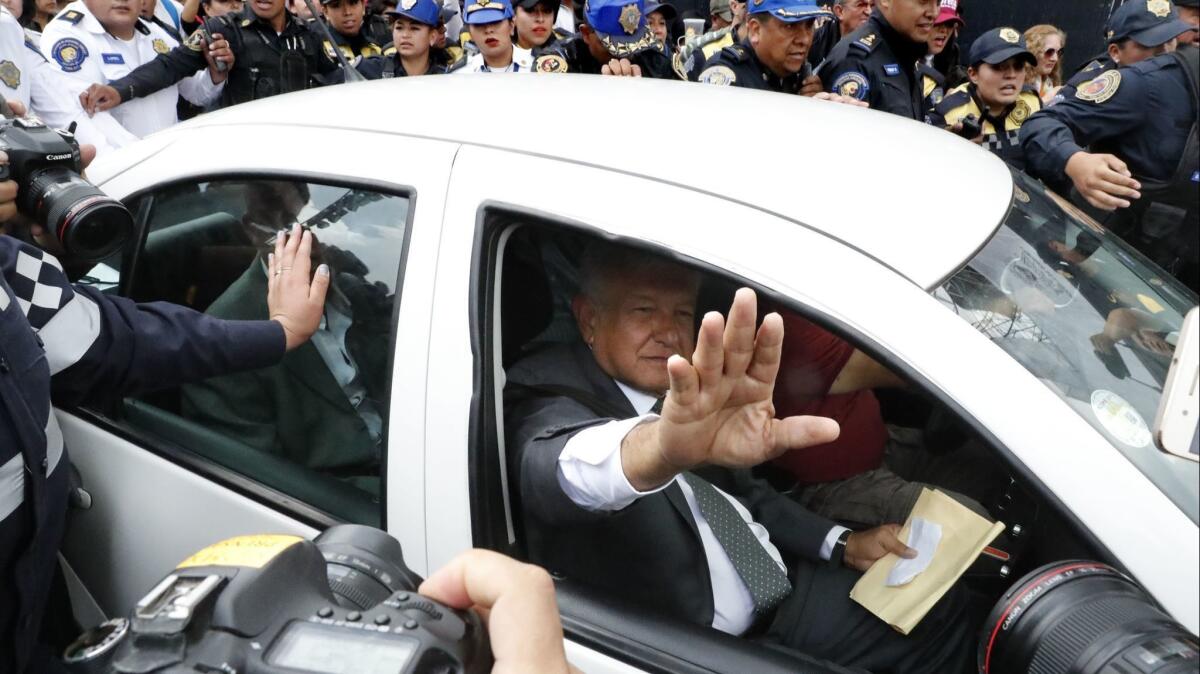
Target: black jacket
[[574, 56], [650, 552], [384, 67], [878, 65], [738, 66]]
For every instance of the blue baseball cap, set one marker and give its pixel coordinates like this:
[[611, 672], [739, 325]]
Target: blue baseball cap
[[1147, 22], [428, 12], [789, 11], [486, 11], [999, 45], [620, 25]]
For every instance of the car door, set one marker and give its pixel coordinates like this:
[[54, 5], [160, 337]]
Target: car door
[[170, 472]]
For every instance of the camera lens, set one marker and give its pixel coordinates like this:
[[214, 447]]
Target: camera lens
[[364, 565], [1084, 618], [89, 224]]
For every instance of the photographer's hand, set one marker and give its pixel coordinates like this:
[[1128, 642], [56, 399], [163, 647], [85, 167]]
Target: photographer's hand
[[99, 98], [295, 298], [8, 195], [515, 600]]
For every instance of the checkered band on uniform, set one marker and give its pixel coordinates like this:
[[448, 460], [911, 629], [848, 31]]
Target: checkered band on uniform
[[39, 286], [1010, 138]]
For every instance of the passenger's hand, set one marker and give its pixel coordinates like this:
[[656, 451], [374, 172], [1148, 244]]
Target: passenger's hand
[[218, 52], [98, 98], [811, 86], [621, 68], [1102, 179], [718, 409], [8, 193], [515, 600], [838, 98], [864, 548], [294, 300]]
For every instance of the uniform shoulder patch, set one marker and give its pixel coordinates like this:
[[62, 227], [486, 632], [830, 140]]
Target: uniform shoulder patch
[[160, 46], [71, 16], [1022, 110], [852, 84], [550, 63], [866, 43], [388, 50], [1100, 89], [195, 41], [722, 76], [69, 53], [10, 74]]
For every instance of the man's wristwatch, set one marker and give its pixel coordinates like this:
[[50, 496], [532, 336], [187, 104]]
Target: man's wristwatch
[[839, 549]]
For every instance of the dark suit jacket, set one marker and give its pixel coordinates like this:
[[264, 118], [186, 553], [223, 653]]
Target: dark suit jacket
[[649, 552]]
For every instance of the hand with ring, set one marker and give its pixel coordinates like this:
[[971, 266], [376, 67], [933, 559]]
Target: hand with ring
[[295, 299]]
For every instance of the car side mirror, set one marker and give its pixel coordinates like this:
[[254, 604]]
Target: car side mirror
[[1175, 426]]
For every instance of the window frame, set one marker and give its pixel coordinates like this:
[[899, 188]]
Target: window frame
[[107, 420]]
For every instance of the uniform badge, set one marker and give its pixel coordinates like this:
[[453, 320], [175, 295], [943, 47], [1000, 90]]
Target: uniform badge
[[71, 16], [246, 22], [195, 41], [550, 63], [722, 76], [69, 53], [1159, 8], [1011, 36], [1100, 89], [10, 74], [868, 40], [160, 46], [853, 85], [113, 59], [406, 5], [631, 18], [891, 69], [1021, 112]]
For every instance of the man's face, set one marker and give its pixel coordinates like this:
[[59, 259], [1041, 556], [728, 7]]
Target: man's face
[[657, 23], [595, 47], [853, 13], [718, 22], [271, 205], [999, 85], [117, 16], [640, 322], [1130, 52], [1192, 16], [782, 47], [493, 39], [534, 25], [262, 8], [912, 18], [344, 16], [217, 8], [411, 38]]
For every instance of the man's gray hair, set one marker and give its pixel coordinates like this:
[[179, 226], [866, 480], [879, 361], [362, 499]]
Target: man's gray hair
[[602, 261]]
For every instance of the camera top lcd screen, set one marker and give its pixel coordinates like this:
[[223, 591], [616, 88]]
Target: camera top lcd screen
[[328, 650]]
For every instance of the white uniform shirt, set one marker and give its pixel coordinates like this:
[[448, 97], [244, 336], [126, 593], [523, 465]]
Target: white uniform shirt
[[83, 53], [591, 475], [522, 62]]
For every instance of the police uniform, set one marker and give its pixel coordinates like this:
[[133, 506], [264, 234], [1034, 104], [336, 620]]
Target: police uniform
[[621, 27], [84, 53], [1090, 71], [933, 85], [68, 345], [265, 62], [739, 65], [427, 12], [689, 59], [878, 65], [371, 40], [1146, 114]]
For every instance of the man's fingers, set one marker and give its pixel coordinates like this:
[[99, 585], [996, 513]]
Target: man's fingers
[[739, 332], [800, 432], [768, 349], [709, 356], [17, 107], [890, 539], [635, 70], [606, 69], [685, 383]]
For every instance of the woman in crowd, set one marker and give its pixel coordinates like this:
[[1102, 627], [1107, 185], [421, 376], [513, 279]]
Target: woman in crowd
[[1047, 43]]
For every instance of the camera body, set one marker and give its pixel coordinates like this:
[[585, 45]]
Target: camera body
[[281, 604], [971, 127], [46, 164]]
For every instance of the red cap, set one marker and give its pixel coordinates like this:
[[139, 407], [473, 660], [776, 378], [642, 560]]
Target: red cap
[[949, 13]]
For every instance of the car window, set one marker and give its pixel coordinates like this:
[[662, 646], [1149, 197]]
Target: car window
[[312, 427]]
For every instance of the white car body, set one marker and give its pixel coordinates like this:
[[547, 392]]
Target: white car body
[[793, 195]]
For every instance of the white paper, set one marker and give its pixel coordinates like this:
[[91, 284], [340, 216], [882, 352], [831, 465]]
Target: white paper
[[923, 537]]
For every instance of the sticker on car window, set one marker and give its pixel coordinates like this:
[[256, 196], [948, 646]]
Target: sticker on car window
[[1120, 418]]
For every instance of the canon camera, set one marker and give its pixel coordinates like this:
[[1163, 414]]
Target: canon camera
[[342, 604], [46, 165]]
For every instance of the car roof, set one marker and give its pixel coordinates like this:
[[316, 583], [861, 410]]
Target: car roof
[[916, 198]]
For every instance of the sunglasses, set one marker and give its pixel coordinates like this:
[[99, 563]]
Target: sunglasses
[[1052, 52]]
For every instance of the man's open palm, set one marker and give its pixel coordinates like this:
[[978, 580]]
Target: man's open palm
[[719, 408]]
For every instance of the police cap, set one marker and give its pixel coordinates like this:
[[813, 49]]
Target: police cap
[[999, 45], [788, 11], [620, 25], [530, 4], [1147, 22], [665, 8], [486, 11], [428, 12]]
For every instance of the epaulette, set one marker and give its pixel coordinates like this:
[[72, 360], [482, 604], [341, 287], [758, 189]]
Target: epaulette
[[867, 43], [456, 58], [563, 34], [71, 16], [736, 53], [389, 50], [954, 98]]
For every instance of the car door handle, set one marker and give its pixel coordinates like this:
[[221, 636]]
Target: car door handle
[[77, 496]]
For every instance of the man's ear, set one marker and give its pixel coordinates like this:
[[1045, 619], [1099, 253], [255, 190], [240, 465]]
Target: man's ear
[[1114, 53], [754, 31], [585, 317]]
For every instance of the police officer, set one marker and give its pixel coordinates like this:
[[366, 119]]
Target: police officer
[[103, 40], [774, 55], [491, 28], [1142, 170], [689, 59], [413, 26], [352, 34], [533, 21], [274, 53], [945, 28], [66, 345], [1138, 30], [613, 39], [878, 62], [996, 95]]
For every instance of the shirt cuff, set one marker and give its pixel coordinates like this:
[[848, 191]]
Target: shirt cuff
[[590, 472], [826, 550]]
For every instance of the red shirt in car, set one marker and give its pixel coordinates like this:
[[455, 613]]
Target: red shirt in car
[[812, 358]]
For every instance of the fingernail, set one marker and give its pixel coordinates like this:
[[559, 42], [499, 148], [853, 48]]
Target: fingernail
[[282, 233], [323, 270], [270, 258]]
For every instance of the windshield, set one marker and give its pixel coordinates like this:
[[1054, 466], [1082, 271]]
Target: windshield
[[1089, 316]]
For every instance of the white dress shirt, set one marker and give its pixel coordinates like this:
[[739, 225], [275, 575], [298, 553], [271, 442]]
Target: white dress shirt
[[522, 62], [591, 475]]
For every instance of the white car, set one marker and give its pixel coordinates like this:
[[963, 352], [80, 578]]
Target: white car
[[459, 209]]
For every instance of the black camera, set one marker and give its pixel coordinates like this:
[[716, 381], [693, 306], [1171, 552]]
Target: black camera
[[971, 127], [342, 604], [46, 164]]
